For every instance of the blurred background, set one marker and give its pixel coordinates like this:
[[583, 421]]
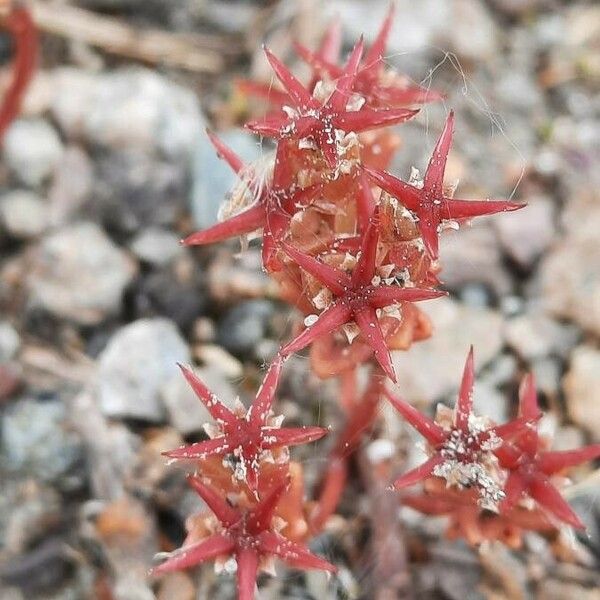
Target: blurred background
[[109, 166]]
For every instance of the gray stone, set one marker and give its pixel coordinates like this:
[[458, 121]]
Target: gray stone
[[32, 149], [213, 177], [156, 246], [37, 441], [23, 214], [10, 342], [187, 413], [582, 389], [433, 368], [127, 108], [134, 367], [245, 325], [78, 273]]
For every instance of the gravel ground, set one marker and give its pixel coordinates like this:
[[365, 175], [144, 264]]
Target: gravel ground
[[109, 166]]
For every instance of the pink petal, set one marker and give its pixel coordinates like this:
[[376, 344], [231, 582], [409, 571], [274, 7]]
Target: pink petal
[[427, 427], [367, 321], [386, 295], [245, 222], [247, 568], [259, 411], [260, 517], [217, 410], [467, 209], [408, 195], [514, 489], [434, 176], [369, 118], [271, 126], [373, 57], [339, 99], [226, 514], [200, 450], [292, 553], [553, 462], [419, 473], [364, 270], [429, 225], [226, 153], [464, 404], [528, 404], [291, 436], [292, 86], [330, 319], [546, 495], [365, 202], [334, 279], [331, 45], [195, 554]]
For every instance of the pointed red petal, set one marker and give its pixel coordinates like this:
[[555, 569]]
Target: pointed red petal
[[316, 62], [467, 209], [385, 295], [514, 488], [464, 404], [271, 126], [429, 227], [292, 86], [395, 95], [331, 45], [201, 450], [434, 176], [369, 118], [225, 152], [367, 321], [226, 514], [334, 279], [365, 202], [528, 404], [339, 99], [330, 319], [419, 473], [291, 436], [553, 462], [408, 195], [545, 494], [376, 52], [512, 429], [247, 568], [292, 553], [259, 411], [427, 427], [260, 517], [217, 410], [364, 271], [245, 222], [263, 90], [195, 554]]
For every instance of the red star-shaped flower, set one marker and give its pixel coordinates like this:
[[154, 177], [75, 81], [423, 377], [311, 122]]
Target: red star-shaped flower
[[429, 203], [464, 453], [357, 298], [531, 466], [250, 536], [272, 208], [379, 86], [324, 123], [247, 436]]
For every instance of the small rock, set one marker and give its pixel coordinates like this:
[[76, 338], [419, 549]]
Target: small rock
[[135, 365], [215, 357], [36, 440], [204, 330], [582, 389], [127, 108], [245, 325], [23, 214], [525, 234], [10, 342], [32, 149], [432, 369], [156, 246], [187, 412], [79, 274]]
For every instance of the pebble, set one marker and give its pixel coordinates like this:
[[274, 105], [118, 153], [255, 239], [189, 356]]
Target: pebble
[[10, 342], [23, 214], [244, 326], [187, 413], [137, 362], [32, 149], [156, 246], [37, 441], [217, 358], [433, 368], [582, 389], [78, 273], [127, 108]]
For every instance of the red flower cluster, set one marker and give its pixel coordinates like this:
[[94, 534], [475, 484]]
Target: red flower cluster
[[354, 248]]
